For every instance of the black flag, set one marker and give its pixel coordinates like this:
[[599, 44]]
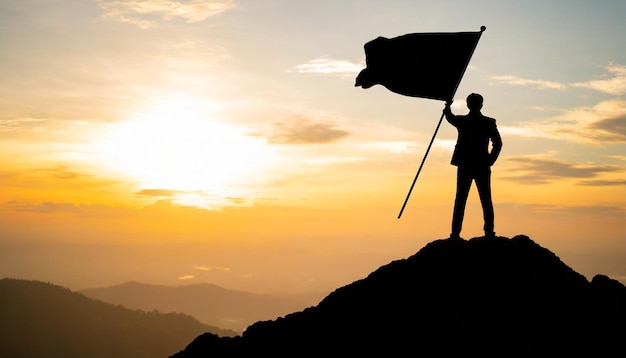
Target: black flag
[[427, 65]]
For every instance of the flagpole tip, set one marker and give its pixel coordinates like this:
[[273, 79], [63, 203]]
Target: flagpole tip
[[482, 28]]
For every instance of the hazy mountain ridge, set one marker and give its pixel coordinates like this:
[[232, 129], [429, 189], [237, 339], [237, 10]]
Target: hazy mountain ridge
[[482, 297], [43, 320], [209, 303]]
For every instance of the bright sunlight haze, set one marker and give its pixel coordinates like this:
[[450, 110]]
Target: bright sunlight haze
[[224, 141]]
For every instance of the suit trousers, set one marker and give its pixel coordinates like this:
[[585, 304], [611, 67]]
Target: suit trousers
[[482, 176]]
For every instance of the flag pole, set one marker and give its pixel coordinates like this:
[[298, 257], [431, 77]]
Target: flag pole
[[482, 29]]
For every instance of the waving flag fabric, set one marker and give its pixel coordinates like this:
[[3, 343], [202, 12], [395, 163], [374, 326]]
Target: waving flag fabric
[[427, 65]]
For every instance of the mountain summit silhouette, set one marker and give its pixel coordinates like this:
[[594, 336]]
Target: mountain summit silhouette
[[482, 297]]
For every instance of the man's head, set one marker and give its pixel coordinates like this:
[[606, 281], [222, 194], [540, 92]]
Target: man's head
[[474, 102]]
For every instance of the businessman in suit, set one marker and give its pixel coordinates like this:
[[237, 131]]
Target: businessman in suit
[[473, 160]]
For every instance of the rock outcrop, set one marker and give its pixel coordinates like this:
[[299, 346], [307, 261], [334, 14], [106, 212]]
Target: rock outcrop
[[482, 297]]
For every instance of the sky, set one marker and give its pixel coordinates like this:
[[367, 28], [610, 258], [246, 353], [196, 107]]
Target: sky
[[224, 141]]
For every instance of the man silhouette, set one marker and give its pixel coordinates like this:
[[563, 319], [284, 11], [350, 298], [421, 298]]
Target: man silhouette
[[473, 160]]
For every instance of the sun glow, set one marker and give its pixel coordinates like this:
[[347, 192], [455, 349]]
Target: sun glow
[[176, 150]]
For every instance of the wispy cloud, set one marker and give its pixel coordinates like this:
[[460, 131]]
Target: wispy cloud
[[611, 129], [615, 85], [303, 130], [529, 130], [616, 182], [603, 123], [62, 172], [329, 66], [612, 83], [202, 268], [238, 200], [585, 210], [143, 13], [532, 170], [198, 198], [395, 147], [164, 192], [14, 124], [518, 81], [186, 277], [211, 268], [44, 207], [600, 124]]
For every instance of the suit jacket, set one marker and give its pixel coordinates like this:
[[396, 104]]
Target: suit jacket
[[472, 146]]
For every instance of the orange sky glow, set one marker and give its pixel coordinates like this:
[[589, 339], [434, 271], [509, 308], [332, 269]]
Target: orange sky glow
[[225, 141]]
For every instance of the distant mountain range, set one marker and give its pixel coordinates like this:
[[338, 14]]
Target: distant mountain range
[[210, 304], [484, 297], [43, 320]]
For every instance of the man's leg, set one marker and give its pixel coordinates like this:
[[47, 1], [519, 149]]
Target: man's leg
[[483, 183], [463, 183]]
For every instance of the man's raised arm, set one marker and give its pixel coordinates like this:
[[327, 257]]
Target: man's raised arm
[[450, 117]]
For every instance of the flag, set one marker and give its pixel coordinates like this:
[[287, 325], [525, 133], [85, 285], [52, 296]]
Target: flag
[[427, 65]]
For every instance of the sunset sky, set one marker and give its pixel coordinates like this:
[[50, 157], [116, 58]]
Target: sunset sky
[[223, 141]]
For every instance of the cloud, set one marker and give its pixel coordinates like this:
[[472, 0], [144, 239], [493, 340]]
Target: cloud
[[584, 210], [528, 130], [142, 13], [202, 268], [398, 147], [613, 128], [603, 182], [164, 192], [62, 172], [238, 200], [211, 268], [615, 85], [329, 66], [44, 207], [186, 277], [612, 83], [14, 124], [530, 170], [197, 198], [301, 130], [518, 81], [604, 123]]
